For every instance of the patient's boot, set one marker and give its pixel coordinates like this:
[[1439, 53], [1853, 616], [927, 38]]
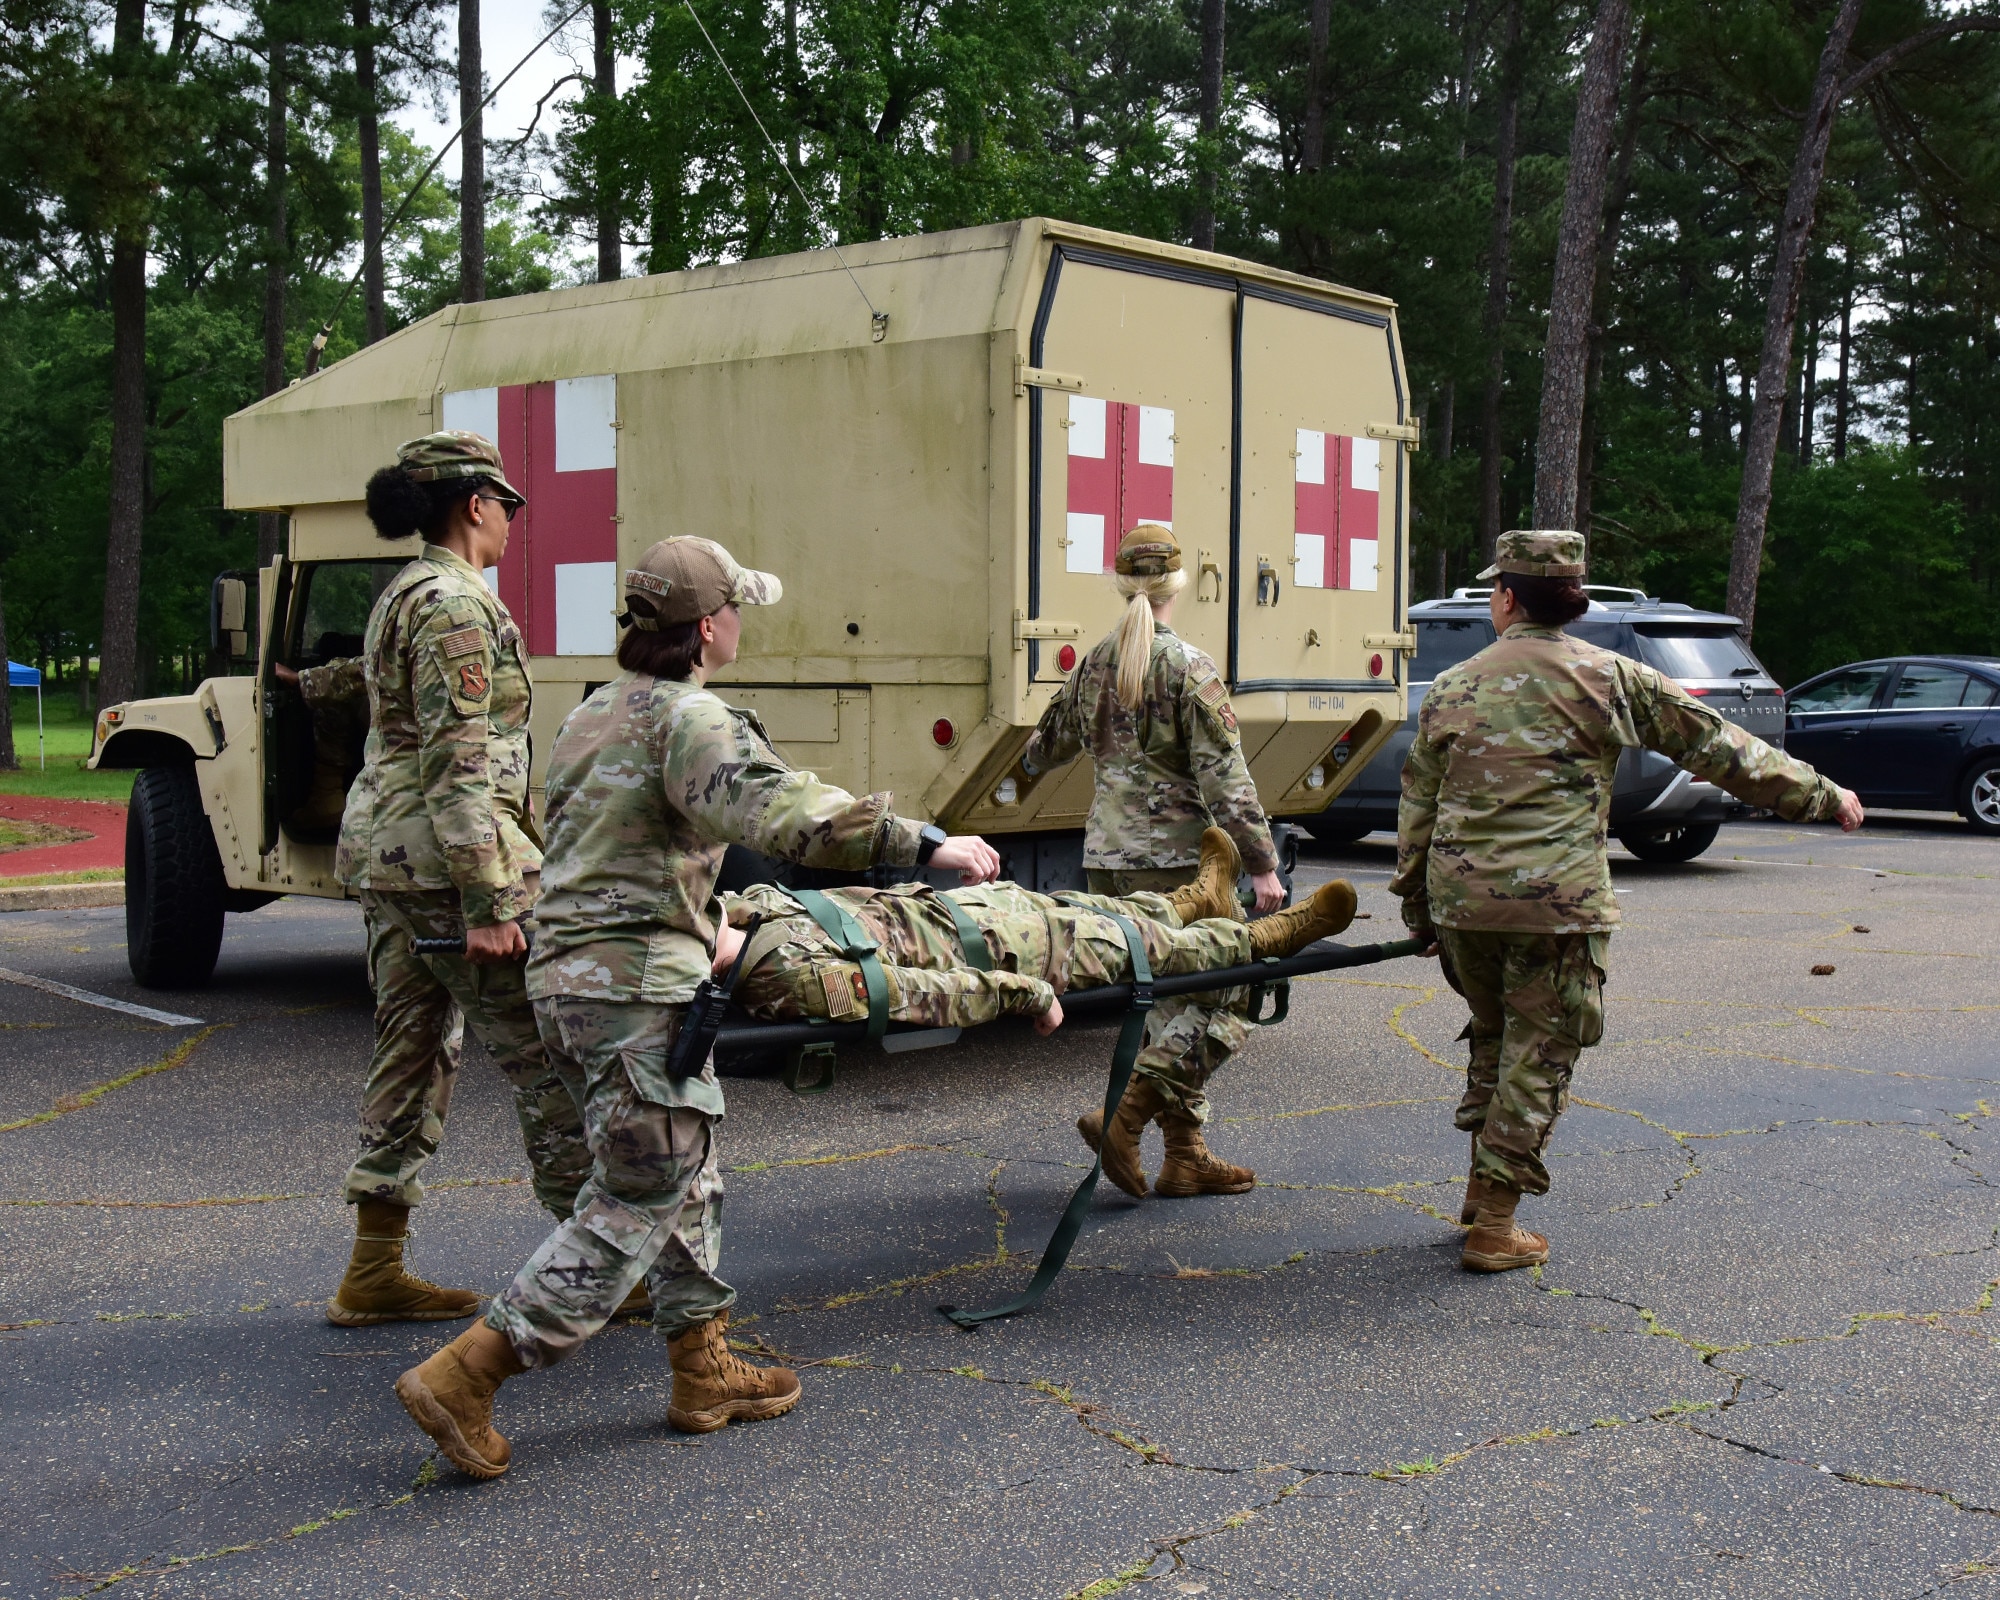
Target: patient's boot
[[1322, 914], [1213, 892], [325, 800], [1190, 1168], [1142, 1103]]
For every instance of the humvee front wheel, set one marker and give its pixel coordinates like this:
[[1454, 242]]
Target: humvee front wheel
[[173, 882]]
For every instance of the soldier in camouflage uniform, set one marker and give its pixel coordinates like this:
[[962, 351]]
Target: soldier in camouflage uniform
[[1169, 763], [1037, 948], [1501, 854], [437, 842], [336, 697], [650, 780]]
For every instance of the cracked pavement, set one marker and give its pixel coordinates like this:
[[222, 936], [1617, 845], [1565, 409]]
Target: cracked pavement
[[1763, 1359]]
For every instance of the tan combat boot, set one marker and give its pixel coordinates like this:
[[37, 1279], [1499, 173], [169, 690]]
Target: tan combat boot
[[636, 1304], [450, 1397], [1497, 1243], [714, 1386], [1321, 915], [1477, 1189], [1190, 1168], [377, 1288], [1141, 1104], [1213, 892]]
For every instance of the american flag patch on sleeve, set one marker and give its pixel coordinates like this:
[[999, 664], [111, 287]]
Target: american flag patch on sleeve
[[464, 642]]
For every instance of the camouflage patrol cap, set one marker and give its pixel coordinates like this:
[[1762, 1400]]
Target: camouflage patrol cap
[[1147, 551], [687, 579], [1537, 553], [437, 457]]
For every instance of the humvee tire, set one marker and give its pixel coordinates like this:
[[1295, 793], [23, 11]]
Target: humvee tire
[[173, 882], [1680, 843]]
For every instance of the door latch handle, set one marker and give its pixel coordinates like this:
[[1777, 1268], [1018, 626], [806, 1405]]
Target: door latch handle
[[1266, 573], [1207, 568]]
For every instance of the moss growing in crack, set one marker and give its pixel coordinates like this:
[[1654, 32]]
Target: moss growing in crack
[[427, 1474]]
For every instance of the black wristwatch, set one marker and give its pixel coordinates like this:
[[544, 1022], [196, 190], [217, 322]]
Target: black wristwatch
[[927, 843]]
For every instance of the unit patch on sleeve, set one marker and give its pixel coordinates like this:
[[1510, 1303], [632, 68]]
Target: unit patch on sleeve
[[1213, 695], [472, 681]]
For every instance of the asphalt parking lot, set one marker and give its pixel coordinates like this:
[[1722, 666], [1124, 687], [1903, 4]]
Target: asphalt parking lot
[[1763, 1360]]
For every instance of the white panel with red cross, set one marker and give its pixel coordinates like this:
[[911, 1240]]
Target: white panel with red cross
[[1121, 473], [559, 444], [1337, 510]]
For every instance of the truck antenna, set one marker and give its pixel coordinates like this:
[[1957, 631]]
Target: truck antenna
[[878, 320], [318, 346]]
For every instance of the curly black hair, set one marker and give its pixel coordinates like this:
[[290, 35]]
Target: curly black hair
[[399, 506]]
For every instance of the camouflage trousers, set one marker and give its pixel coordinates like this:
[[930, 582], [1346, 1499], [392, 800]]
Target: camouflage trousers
[[653, 1206], [1188, 1036], [1537, 1002], [418, 1003]]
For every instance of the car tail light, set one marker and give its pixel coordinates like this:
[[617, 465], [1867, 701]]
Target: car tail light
[[1066, 657], [943, 734], [1694, 690]]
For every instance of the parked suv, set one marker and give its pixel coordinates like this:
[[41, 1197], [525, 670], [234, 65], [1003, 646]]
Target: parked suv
[[1658, 811]]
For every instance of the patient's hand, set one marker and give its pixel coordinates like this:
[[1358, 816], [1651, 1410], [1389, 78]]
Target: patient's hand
[[1049, 1020], [728, 940]]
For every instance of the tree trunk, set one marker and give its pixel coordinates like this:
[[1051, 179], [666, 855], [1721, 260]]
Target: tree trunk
[[270, 526], [374, 302], [1753, 506], [604, 62], [472, 148], [7, 761], [1490, 455], [1607, 259], [1312, 141], [1840, 388], [1809, 390], [1210, 123], [119, 639], [1565, 357]]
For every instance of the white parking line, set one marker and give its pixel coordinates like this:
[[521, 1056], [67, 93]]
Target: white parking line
[[50, 986]]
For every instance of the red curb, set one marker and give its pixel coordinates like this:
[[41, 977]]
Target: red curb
[[104, 821]]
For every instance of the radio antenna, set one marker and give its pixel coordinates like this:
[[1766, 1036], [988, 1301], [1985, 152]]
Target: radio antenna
[[878, 320]]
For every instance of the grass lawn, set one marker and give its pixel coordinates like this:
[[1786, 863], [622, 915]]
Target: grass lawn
[[68, 748]]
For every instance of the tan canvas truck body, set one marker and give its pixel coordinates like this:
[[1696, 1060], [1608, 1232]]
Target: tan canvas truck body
[[940, 496]]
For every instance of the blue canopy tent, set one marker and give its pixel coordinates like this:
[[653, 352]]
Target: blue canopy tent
[[20, 677]]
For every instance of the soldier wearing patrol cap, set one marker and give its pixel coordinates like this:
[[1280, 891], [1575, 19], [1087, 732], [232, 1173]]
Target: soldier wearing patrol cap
[[1500, 854], [650, 780], [437, 842], [1154, 714]]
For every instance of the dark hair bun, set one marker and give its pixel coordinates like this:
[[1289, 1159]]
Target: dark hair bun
[[397, 507]]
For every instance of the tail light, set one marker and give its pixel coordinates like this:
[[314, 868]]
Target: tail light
[[943, 734], [1066, 657]]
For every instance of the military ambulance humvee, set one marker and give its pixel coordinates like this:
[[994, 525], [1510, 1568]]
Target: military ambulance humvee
[[940, 486]]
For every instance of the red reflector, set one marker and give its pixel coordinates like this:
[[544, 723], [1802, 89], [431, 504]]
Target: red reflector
[[942, 732], [1374, 666], [1066, 657], [1694, 691]]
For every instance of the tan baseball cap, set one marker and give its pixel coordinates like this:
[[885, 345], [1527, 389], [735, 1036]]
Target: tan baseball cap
[[687, 579], [456, 454], [1147, 551], [1537, 553]]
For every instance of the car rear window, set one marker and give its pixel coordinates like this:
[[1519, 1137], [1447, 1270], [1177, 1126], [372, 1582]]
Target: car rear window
[[1710, 653], [1446, 641], [1924, 687]]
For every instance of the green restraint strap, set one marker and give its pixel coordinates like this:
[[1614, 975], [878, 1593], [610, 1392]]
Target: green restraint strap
[[856, 946], [1056, 1252], [971, 942]]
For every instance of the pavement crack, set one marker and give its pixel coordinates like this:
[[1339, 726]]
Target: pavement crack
[[83, 1099]]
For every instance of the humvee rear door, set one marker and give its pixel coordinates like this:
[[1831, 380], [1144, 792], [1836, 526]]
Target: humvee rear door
[[1146, 439], [1320, 537]]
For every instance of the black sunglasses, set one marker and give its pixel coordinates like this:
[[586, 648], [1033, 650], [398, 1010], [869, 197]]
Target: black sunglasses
[[511, 505]]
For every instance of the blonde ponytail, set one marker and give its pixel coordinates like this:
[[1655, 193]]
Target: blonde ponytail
[[1133, 650]]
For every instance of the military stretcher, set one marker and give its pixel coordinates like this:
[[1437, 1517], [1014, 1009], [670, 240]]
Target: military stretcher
[[815, 1041]]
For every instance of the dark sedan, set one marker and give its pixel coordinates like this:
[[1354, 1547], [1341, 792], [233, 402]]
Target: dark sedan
[[1917, 733]]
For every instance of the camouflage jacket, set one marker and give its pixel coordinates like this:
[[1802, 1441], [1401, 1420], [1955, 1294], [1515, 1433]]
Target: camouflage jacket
[[1507, 789], [1164, 772], [336, 683], [442, 799], [650, 780]]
